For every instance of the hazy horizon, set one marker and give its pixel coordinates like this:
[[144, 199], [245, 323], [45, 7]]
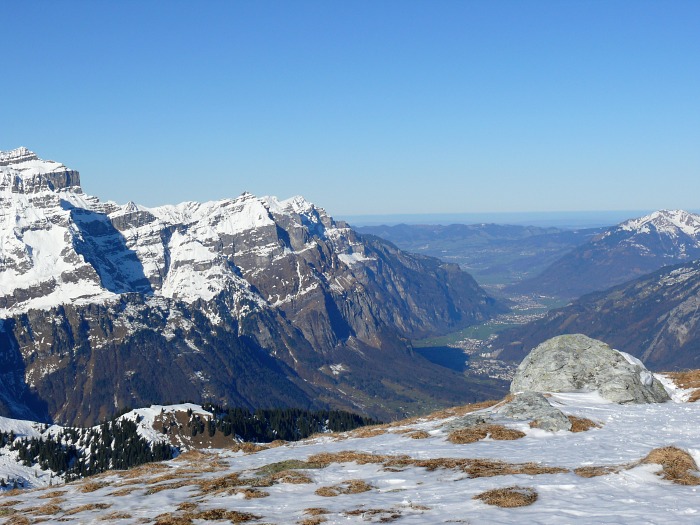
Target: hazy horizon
[[364, 108]]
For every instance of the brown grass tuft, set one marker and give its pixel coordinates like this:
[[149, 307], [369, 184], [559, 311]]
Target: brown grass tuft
[[678, 466], [593, 471], [145, 469], [249, 493], [116, 515], [368, 432], [9, 503], [92, 486], [88, 506], [316, 511], [352, 486], [509, 497], [187, 506], [18, 519], [347, 456], [168, 486], [581, 424], [124, 491], [479, 432], [222, 514], [45, 510], [52, 494], [314, 520], [383, 515], [467, 409], [293, 477], [172, 519], [418, 434]]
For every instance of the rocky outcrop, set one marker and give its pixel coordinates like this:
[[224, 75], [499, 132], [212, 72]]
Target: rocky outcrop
[[534, 407], [571, 363]]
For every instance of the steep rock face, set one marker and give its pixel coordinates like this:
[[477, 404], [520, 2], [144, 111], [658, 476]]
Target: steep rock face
[[246, 287], [655, 318], [572, 363], [623, 253]]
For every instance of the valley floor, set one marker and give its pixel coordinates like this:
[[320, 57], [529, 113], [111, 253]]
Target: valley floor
[[407, 472]]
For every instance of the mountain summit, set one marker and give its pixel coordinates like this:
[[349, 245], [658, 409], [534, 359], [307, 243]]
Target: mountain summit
[[622, 253], [253, 301]]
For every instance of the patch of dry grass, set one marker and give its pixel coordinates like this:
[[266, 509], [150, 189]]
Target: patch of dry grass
[[687, 379], [348, 456], [351, 486], [595, 471], [418, 434], [316, 511], [369, 431], [313, 520], [92, 486], [220, 514], [86, 507], [287, 465], [678, 466], [49, 509], [187, 506], [293, 477], [249, 493], [17, 519], [144, 470], [248, 448], [478, 432], [581, 424], [52, 494], [383, 515], [474, 468], [168, 486], [509, 497], [116, 515], [125, 491], [9, 503], [172, 519], [467, 409]]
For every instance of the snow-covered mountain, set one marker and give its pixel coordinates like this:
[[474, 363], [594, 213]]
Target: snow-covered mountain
[[637, 464], [622, 253], [247, 300]]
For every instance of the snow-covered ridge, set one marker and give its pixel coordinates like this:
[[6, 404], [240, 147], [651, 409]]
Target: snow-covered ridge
[[59, 246], [669, 222]]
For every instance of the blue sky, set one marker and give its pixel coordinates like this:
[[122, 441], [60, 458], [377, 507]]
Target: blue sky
[[363, 107]]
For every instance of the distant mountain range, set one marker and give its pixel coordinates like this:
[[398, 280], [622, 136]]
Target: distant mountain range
[[655, 318], [247, 301], [493, 253], [620, 254]]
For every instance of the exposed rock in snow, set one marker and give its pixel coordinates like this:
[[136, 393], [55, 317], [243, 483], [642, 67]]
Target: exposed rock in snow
[[534, 406], [571, 363]]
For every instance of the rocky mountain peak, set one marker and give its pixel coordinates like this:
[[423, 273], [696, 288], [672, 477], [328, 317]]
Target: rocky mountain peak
[[23, 172], [16, 156]]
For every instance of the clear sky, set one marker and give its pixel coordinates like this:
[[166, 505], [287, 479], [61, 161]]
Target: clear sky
[[364, 107]]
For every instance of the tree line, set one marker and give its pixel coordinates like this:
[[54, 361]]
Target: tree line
[[268, 424]]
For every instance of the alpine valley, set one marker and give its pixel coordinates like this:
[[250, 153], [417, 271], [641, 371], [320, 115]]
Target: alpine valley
[[251, 302]]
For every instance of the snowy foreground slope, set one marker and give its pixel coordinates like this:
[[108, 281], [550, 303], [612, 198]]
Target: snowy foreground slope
[[407, 472]]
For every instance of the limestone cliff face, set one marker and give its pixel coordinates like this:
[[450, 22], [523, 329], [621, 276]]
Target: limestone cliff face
[[112, 305]]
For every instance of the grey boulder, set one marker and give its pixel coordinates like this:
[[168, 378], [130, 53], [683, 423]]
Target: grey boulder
[[572, 363]]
